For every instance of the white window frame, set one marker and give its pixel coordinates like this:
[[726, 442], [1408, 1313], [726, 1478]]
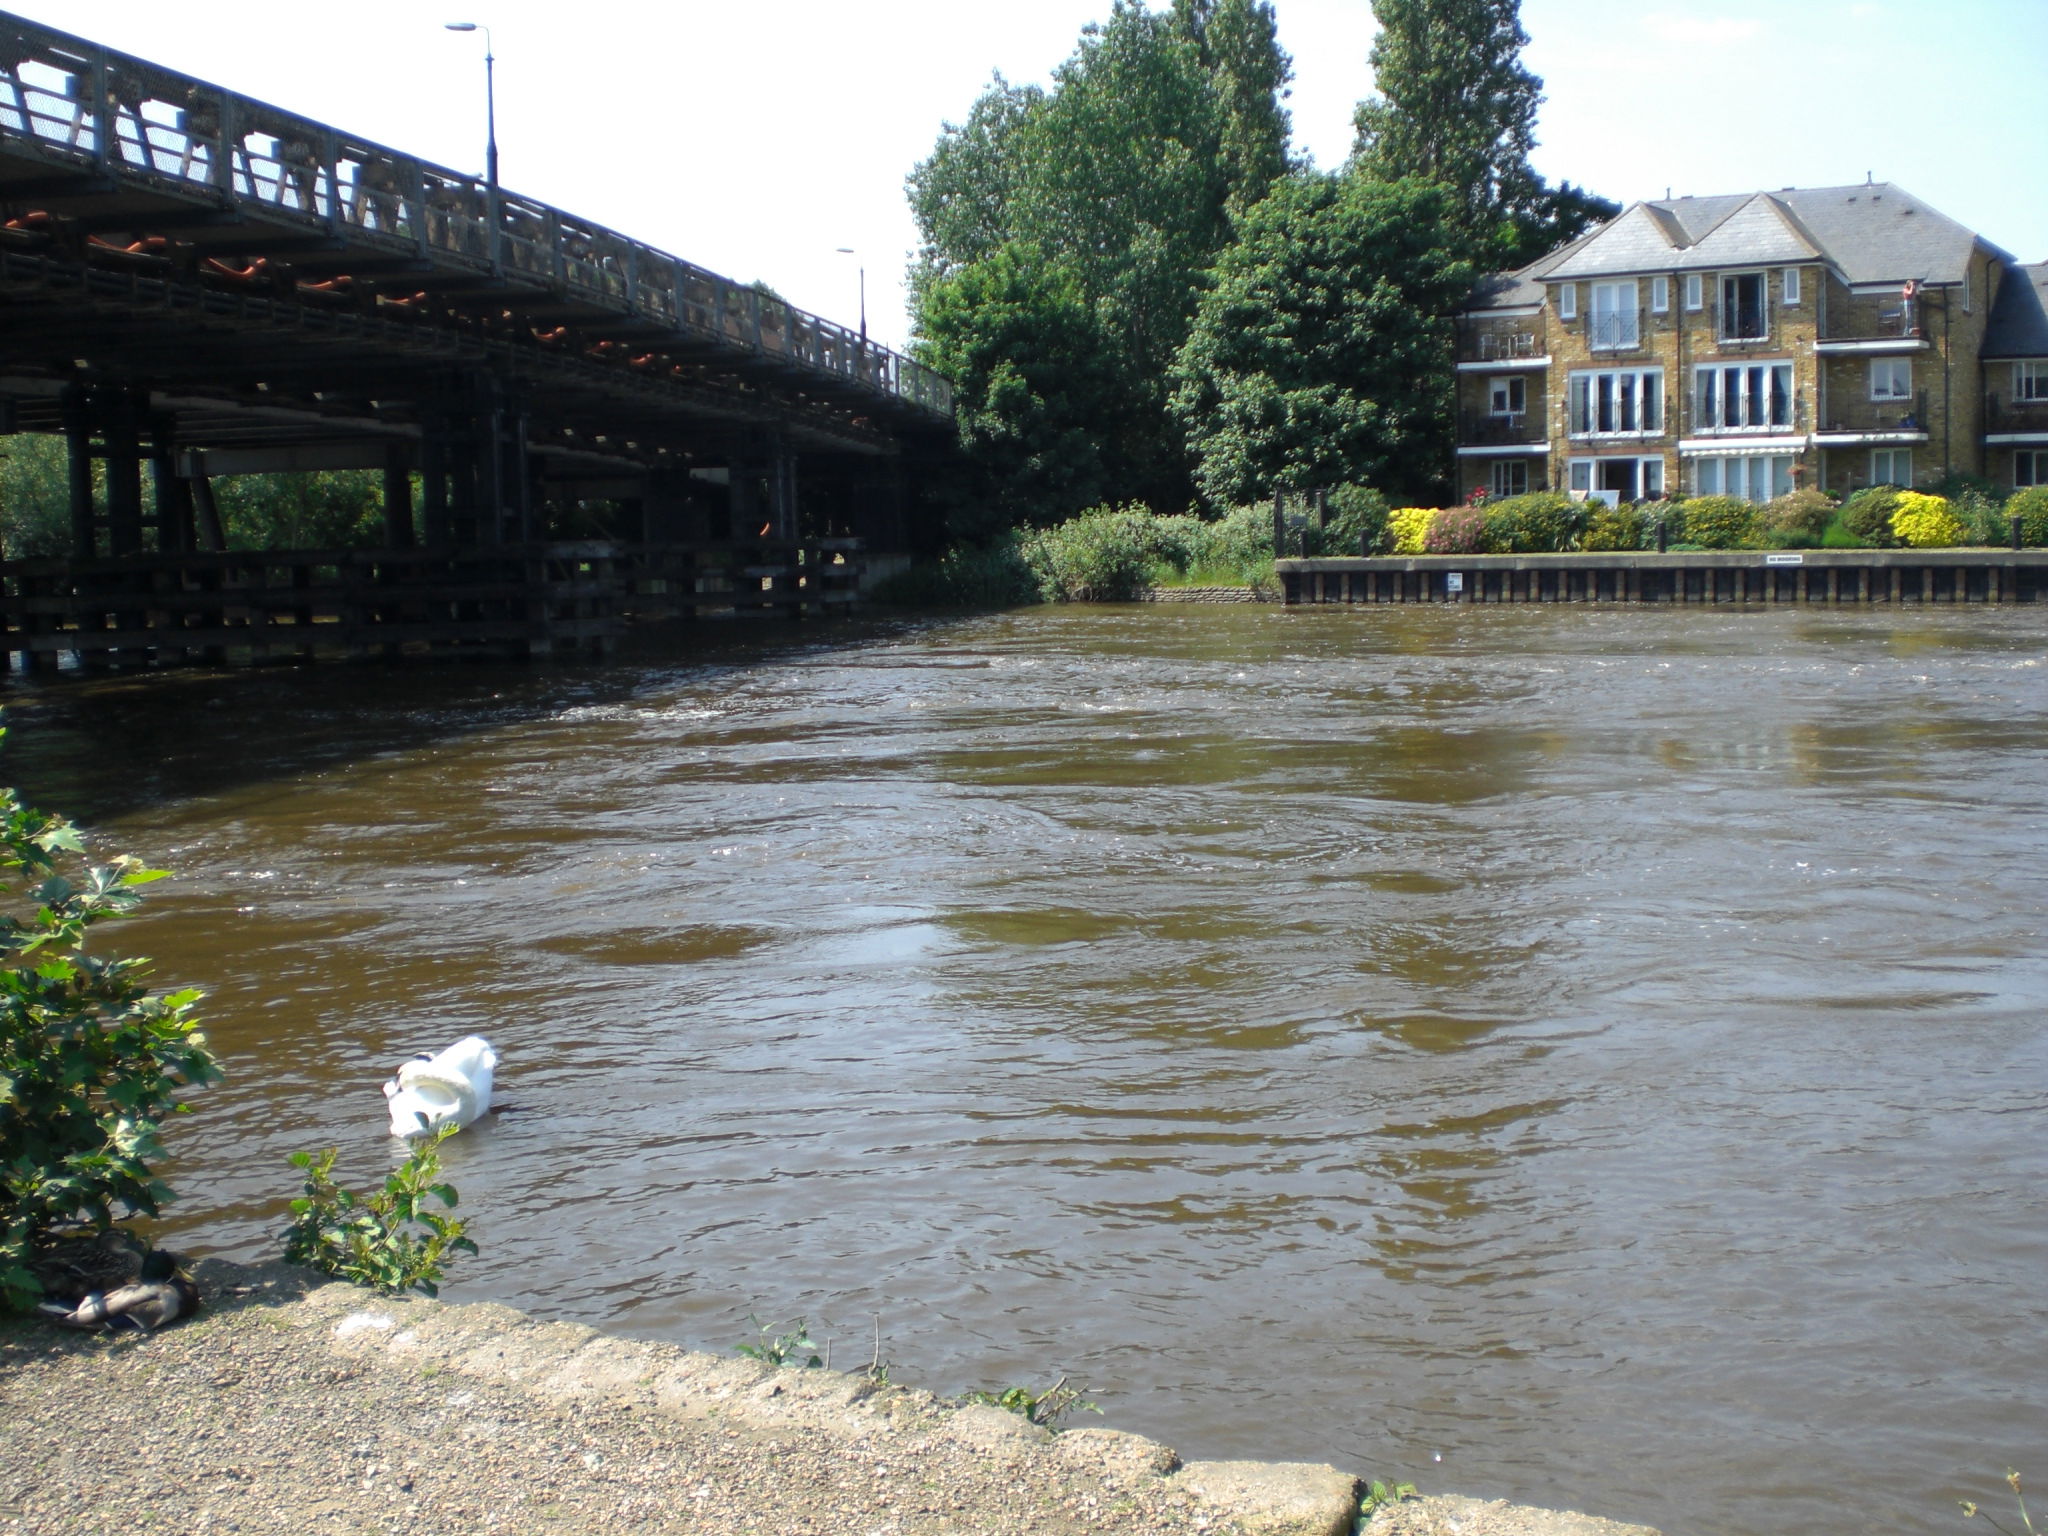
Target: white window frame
[[1743, 476], [1885, 376], [1567, 301], [1756, 387], [1507, 394], [2030, 381], [1580, 475], [1630, 394], [2029, 467], [1695, 290], [1894, 461], [1660, 295], [1789, 294], [1617, 324], [1501, 478]]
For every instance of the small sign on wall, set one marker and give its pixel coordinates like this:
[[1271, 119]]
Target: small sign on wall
[[1454, 581], [1794, 558]]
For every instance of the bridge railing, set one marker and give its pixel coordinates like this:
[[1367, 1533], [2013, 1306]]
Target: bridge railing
[[123, 117]]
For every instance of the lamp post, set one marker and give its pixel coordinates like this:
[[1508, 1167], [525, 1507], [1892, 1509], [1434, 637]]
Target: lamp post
[[490, 124], [861, 267]]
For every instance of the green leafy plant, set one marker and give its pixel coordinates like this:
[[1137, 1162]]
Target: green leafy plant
[[2026, 1527], [2030, 506], [390, 1241], [90, 1062], [1798, 519], [1539, 522], [792, 1347], [1720, 522], [1046, 1408], [1867, 515], [1617, 527], [1379, 1495]]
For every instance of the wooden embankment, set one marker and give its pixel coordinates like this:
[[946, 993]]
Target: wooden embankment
[[1835, 576], [302, 605]]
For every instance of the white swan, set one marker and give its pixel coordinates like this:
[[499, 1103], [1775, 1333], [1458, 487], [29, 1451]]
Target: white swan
[[452, 1088]]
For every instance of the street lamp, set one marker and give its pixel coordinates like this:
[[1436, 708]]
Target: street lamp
[[490, 109], [861, 267]]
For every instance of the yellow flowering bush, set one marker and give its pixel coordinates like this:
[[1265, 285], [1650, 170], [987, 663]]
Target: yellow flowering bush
[[1925, 522], [1408, 525]]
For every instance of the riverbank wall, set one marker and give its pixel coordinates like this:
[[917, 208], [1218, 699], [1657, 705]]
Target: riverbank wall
[[295, 1404], [1713, 577]]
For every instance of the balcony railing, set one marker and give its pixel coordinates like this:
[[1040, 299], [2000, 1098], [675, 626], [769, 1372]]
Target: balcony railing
[[1480, 430], [1909, 415], [1498, 346], [2015, 415], [1896, 323], [1617, 330]]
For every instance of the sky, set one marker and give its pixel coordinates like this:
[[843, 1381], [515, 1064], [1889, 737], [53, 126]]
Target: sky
[[758, 139]]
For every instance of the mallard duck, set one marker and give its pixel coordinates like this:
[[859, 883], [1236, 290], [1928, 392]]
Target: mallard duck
[[451, 1088], [162, 1295]]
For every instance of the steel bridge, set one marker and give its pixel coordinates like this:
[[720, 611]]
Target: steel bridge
[[194, 284]]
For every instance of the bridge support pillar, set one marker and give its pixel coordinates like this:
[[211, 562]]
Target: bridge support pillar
[[76, 406], [176, 526], [398, 529], [123, 435], [434, 523]]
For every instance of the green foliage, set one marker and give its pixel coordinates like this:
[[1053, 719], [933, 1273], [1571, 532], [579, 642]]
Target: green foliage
[[90, 1063], [1839, 536], [390, 1241], [1456, 531], [1321, 353], [1107, 554], [1983, 519], [35, 505], [1035, 379], [992, 576], [1720, 522], [1538, 522], [1798, 519], [792, 1347], [1622, 526], [1124, 177], [2030, 506], [1046, 1408], [1357, 522], [2026, 1525], [1922, 521], [1457, 107], [1378, 1495], [1867, 516]]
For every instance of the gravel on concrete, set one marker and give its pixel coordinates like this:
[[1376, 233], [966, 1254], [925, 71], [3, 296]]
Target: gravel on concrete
[[293, 1404]]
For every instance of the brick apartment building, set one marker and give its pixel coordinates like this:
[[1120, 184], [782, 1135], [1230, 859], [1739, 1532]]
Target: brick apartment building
[[1835, 337]]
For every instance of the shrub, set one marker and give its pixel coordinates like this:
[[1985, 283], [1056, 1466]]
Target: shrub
[[1358, 521], [1408, 526], [1618, 527], [1925, 522], [1867, 516], [90, 1063], [372, 1241], [1538, 522], [1456, 531], [2030, 506], [992, 577], [1107, 554], [1720, 522], [1234, 550], [1983, 520], [1798, 518]]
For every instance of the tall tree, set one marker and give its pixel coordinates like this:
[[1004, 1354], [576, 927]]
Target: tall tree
[[1126, 174], [1322, 354], [1456, 106]]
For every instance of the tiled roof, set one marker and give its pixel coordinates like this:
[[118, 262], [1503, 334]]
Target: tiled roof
[[1872, 234], [2018, 326]]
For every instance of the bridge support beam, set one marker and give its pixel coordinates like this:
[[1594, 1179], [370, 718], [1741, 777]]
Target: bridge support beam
[[398, 529]]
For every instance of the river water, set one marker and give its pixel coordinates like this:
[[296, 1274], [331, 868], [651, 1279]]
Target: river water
[[1592, 1057]]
